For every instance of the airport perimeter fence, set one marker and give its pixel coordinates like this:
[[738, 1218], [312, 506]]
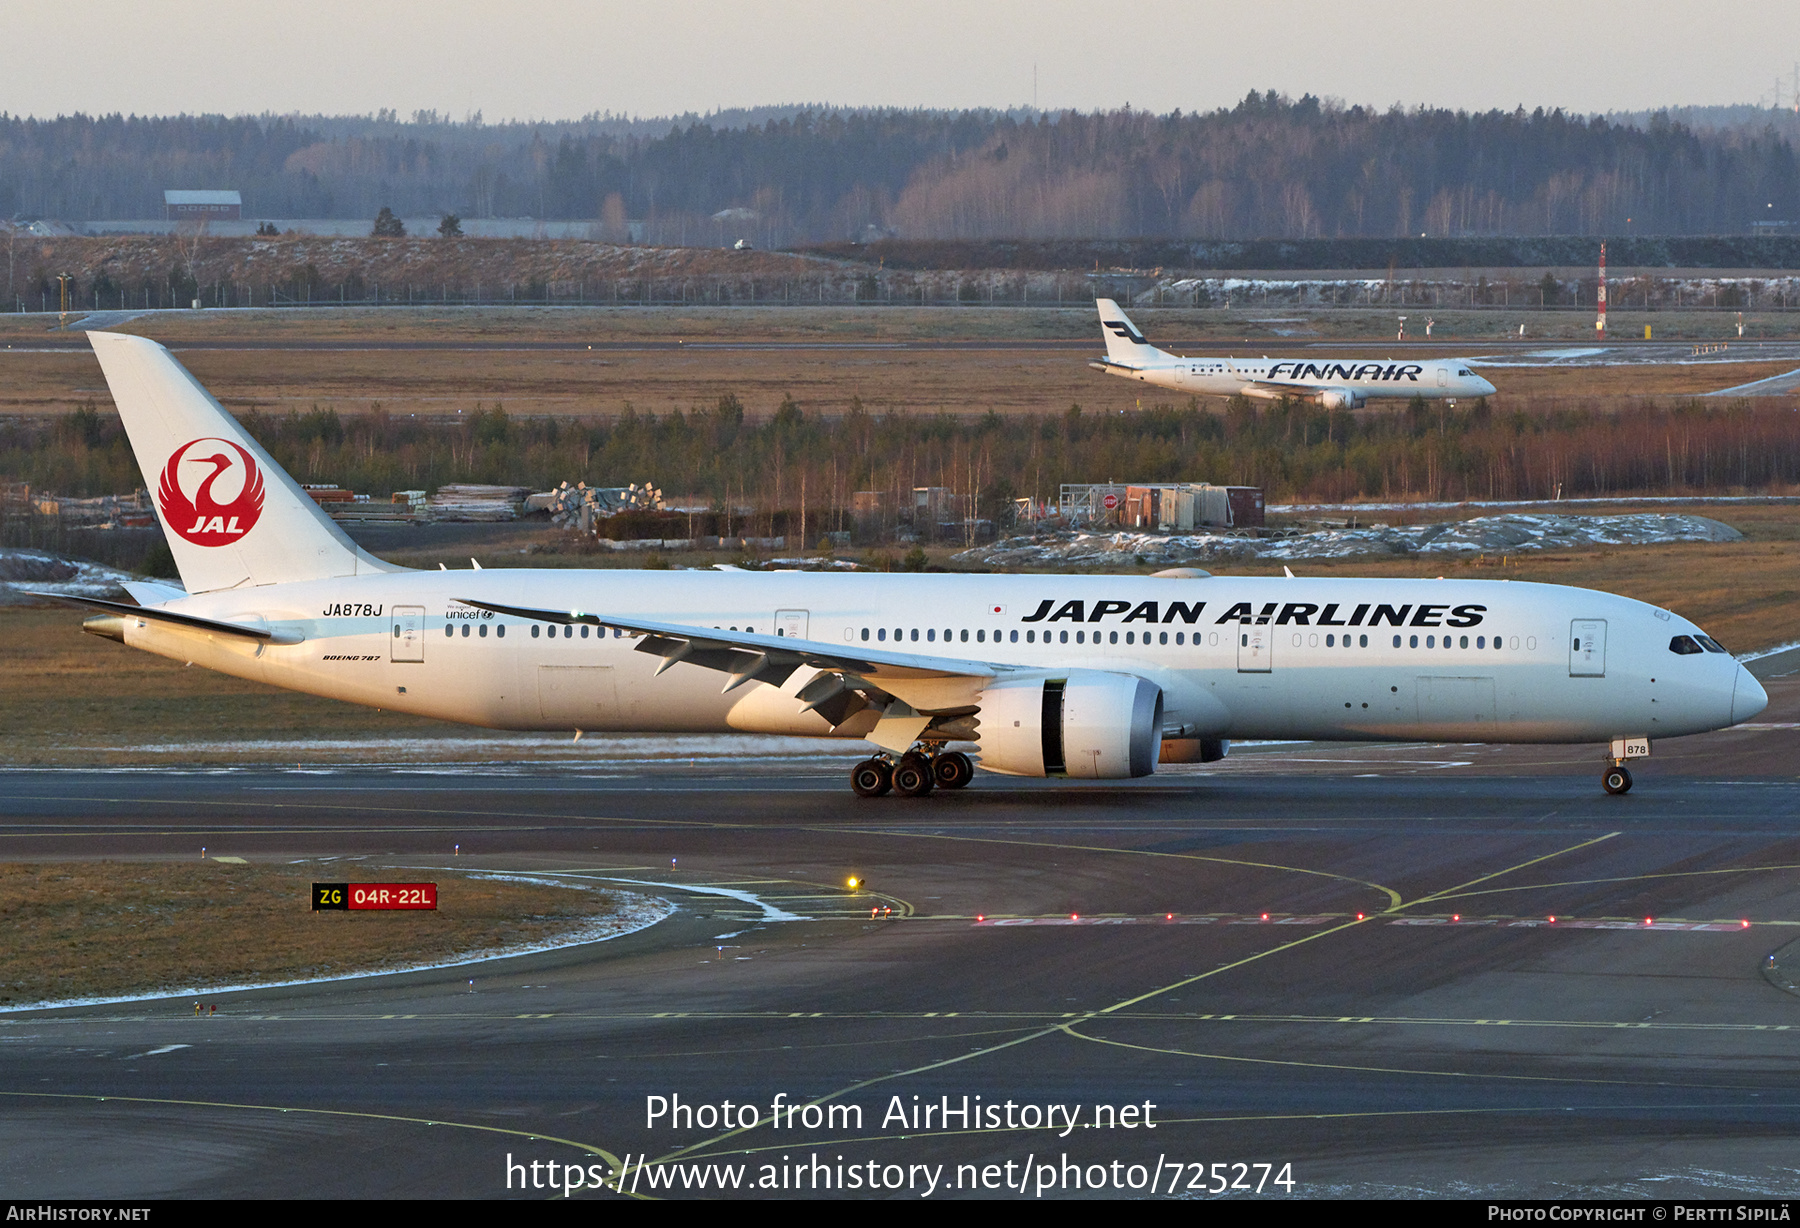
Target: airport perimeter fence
[[1141, 292]]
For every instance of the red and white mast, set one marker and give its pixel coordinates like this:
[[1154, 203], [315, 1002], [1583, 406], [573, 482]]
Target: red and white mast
[[1600, 324]]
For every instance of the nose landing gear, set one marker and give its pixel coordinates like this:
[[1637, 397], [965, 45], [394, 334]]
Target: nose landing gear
[[914, 774], [1617, 778]]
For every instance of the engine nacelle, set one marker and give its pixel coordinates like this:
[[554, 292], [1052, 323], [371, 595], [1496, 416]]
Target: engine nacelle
[[1089, 724], [1342, 398]]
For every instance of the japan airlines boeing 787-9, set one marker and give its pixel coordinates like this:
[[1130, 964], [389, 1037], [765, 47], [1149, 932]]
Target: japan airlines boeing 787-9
[[1048, 675]]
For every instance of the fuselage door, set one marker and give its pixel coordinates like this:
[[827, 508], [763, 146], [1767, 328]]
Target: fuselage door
[[407, 643], [791, 623], [1254, 644], [1587, 648]]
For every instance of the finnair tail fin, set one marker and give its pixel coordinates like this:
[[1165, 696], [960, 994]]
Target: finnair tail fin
[[231, 516], [1124, 343]]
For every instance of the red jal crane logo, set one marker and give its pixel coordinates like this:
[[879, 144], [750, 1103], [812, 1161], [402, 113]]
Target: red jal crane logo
[[211, 492]]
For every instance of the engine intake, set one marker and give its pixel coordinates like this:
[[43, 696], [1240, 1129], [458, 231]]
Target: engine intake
[[1089, 724]]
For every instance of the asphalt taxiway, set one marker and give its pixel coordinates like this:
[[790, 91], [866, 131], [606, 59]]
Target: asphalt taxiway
[[1433, 970]]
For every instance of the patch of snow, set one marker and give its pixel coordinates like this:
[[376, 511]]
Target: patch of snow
[[25, 571], [1485, 535], [770, 911]]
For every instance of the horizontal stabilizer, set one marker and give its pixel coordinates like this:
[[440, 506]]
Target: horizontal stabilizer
[[192, 621], [149, 592]]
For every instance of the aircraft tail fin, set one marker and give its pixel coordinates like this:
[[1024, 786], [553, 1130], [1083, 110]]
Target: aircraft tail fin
[[1125, 345], [232, 517]]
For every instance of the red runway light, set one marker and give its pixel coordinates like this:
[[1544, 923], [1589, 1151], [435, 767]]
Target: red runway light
[[1646, 920], [1265, 916], [1552, 918], [1456, 916], [1359, 916], [1074, 916], [1744, 924], [1168, 916]]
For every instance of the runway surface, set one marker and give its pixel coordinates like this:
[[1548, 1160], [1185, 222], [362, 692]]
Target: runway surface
[[1337, 959]]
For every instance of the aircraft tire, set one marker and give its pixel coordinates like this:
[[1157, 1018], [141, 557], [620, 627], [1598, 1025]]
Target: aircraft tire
[[913, 776], [953, 770], [1616, 781], [871, 778]]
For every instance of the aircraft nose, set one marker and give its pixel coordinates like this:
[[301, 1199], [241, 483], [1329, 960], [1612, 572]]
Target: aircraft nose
[[1747, 697], [1487, 388]]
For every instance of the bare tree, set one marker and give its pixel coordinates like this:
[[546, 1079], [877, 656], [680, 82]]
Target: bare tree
[[12, 242], [188, 238]]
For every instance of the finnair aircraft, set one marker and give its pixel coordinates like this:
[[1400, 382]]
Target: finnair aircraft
[[1099, 677], [1340, 383]]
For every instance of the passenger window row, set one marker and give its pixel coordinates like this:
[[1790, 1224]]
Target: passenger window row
[[1181, 638], [1682, 645], [538, 630], [930, 635], [481, 630], [569, 631], [1412, 641]]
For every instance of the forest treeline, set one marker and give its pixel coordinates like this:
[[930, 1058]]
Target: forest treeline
[[1312, 255], [1269, 167], [728, 459]]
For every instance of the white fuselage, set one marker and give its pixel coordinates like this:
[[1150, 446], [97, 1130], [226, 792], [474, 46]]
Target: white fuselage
[[1351, 380], [1235, 657]]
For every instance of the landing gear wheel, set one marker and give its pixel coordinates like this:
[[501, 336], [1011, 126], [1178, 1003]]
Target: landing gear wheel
[[953, 770], [871, 778], [1616, 781], [913, 776]]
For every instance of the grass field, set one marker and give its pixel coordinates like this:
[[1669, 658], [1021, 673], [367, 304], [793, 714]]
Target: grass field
[[113, 929], [436, 383]]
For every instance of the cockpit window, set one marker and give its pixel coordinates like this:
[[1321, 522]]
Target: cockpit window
[[1710, 644], [1684, 646], [1464, 371]]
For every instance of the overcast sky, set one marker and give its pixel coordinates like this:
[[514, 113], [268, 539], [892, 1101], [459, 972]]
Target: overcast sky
[[560, 59]]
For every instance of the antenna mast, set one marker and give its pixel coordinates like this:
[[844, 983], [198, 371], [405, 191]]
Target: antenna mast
[[1600, 324]]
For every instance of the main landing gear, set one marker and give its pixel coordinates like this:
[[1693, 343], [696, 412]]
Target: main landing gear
[[914, 774]]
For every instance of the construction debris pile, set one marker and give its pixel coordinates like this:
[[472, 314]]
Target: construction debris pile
[[132, 511], [572, 507], [472, 501], [579, 506], [1491, 535]]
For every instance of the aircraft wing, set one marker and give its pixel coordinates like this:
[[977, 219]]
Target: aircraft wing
[[1275, 389], [749, 657]]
